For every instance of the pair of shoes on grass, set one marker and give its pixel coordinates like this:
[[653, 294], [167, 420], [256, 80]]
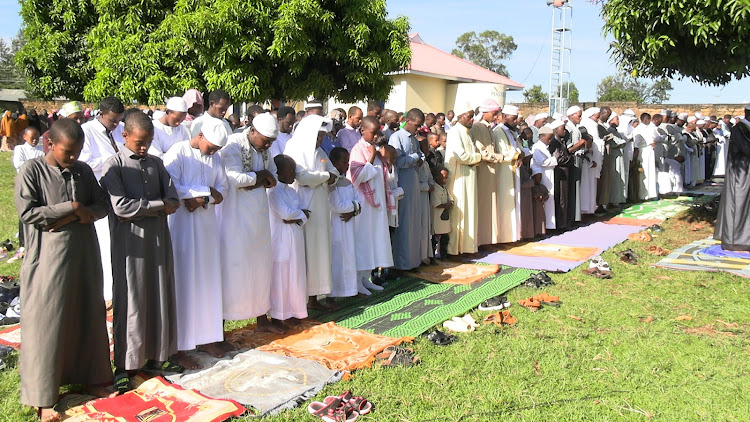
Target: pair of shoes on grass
[[501, 318], [344, 408], [465, 324], [539, 281], [599, 268], [535, 303]]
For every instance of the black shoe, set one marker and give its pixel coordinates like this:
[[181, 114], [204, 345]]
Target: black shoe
[[7, 245]]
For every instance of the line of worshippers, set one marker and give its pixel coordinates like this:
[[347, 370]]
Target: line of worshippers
[[188, 223]]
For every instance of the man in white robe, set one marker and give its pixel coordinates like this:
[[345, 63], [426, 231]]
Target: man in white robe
[[509, 185], [591, 165], [97, 148], [646, 138], [287, 117], [313, 175], [490, 219], [544, 163], [169, 130], [577, 146], [201, 183], [461, 158], [244, 223], [218, 104]]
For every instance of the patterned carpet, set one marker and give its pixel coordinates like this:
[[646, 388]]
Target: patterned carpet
[[409, 307], [698, 256]]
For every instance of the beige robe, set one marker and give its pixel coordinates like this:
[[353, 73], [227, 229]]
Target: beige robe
[[508, 189], [461, 156], [487, 183]]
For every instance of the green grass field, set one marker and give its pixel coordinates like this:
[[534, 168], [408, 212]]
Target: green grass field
[[649, 344]]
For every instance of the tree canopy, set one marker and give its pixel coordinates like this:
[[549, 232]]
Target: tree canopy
[[488, 49], [705, 41], [536, 94], [254, 49], [11, 75], [627, 88]]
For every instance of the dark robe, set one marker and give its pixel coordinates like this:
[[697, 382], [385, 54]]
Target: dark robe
[[64, 318], [563, 209], [527, 201], [604, 186], [145, 317], [732, 226], [434, 158]]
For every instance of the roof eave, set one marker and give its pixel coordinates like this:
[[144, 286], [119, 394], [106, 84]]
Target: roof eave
[[453, 78]]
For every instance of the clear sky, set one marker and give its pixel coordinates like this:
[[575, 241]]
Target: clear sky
[[440, 22]]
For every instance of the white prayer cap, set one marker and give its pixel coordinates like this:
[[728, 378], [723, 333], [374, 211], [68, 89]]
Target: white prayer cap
[[698, 114], [572, 110], [541, 116], [266, 125], [700, 122], [313, 103], [612, 116], [664, 112], [682, 116], [692, 119], [489, 106], [629, 112], [177, 104], [590, 111], [557, 116], [510, 110], [545, 130], [555, 124], [214, 131], [326, 126]]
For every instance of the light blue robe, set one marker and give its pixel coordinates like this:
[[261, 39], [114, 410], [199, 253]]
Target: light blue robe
[[407, 237]]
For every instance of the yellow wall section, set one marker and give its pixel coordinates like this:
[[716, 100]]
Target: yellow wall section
[[427, 94]]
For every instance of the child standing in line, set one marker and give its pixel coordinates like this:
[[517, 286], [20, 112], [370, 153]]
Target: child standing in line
[[29, 150], [441, 205], [344, 207], [289, 283]]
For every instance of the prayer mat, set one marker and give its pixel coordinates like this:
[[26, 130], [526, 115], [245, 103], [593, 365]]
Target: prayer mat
[[411, 306], [643, 222], [455, 273], [156, 401], [12, 337], [268, 382], [717, 250], [333, 346], [597, 235], [567, 253], [693, 258]]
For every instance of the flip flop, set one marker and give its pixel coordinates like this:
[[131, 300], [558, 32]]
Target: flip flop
[[468, 319], [628, 256], [166, 366], [493, 303], [396, 356], [530, 304], [459, 327]]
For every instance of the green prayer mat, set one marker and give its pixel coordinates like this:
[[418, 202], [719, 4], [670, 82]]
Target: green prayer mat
[[410, 306], [661, 209]]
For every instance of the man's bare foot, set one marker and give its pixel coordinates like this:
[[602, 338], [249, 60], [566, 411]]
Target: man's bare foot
[[101, 391], [292, 322], [278, 327], [48, 414], [269, 326], [314, 304], [212, 349], [331, 304], [226, 346], [186, 361]]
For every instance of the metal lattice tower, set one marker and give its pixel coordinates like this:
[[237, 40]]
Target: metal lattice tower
[[562, 39]]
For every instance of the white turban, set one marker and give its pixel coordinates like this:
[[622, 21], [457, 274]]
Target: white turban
[[177, 104], [266, 125], [510, 110], [590, 111], [555, 124], [214, 131], [572, 110], [541, 116]]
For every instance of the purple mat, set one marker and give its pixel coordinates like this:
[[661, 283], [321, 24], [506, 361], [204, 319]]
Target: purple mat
[[599, 235], [716, 250]]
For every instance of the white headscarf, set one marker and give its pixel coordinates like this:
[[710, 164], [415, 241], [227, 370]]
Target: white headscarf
[[302, 145]]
